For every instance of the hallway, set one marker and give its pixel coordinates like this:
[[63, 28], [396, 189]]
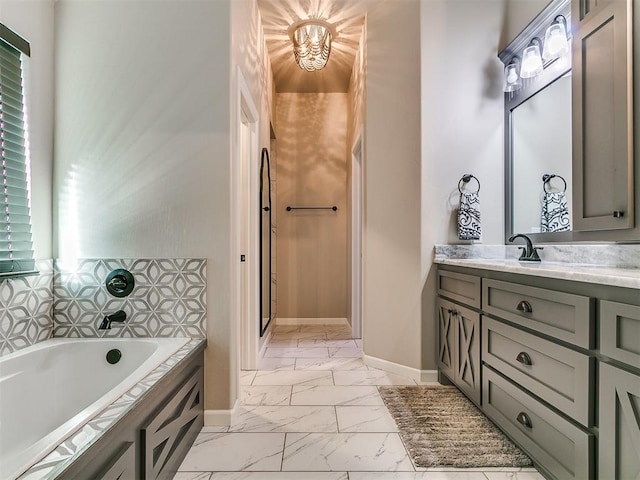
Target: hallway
[[312, 411]]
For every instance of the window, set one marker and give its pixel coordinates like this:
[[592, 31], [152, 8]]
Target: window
[[16, 247]]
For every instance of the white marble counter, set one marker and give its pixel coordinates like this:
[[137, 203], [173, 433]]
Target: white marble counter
[[621, 271]]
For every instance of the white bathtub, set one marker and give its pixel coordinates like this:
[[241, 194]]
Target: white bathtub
[[50, 390]]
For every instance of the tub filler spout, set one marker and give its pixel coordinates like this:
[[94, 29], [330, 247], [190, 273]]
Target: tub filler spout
[[119, 317]]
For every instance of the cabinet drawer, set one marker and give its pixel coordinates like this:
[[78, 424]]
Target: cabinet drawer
[[460, 287], [565, 316], [560, 447], [556, 374], [620, 332]]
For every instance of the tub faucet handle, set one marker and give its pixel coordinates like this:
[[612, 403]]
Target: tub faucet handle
[[119, 317]]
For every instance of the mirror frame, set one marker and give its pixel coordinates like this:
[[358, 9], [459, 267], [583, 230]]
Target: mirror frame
[[265, 163], [553, 71]]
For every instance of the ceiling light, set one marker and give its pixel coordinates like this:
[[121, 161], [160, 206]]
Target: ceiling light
[[556, 44], [311, 43], [531, 60]]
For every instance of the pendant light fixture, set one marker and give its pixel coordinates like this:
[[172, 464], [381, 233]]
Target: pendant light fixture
[[556, 43], [311, 43], [531, 60]]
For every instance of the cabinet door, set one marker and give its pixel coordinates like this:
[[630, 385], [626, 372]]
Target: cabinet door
[[123, 465], [446, 332], [602, 115], [467, 352], [619, 424]]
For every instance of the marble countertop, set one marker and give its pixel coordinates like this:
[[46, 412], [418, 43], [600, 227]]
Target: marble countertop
[[622, 275]]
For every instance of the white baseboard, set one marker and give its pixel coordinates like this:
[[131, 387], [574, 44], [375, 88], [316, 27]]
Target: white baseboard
[[219, 418], [264, 344], [421, 376], [311, 321]]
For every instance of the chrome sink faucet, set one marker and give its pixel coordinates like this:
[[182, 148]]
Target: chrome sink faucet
[[530, 253], [120, 316]]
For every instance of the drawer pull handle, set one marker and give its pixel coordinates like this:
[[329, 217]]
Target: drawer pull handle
[[524, 358], [524, 307], [524, 420], [618, 214]]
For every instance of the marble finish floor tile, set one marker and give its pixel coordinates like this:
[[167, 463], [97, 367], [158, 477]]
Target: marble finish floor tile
[[294, 377], [340, 335], [299, 336], [345, 452], [283, 342], [276, 363], [330, 364], [336, 395], [365, 419], [326, 343], [215, 429], [297, 352], [522, 475], [193, 476], [371, 377], [246, 376], [280, 476], [265, 395], [284, 419], [345, 352], [234, 452], [416, 476]]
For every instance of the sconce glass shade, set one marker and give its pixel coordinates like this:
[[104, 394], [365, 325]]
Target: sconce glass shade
[[556, 44], [311, 44], [512, 77], [531, 61]]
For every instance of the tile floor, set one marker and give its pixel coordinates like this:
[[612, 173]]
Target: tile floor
[[312, 412]]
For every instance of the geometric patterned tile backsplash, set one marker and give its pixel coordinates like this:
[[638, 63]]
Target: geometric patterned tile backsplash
[[26, 308], [168, 300]]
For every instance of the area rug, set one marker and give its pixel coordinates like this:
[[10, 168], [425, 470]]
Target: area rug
[[441, 427]]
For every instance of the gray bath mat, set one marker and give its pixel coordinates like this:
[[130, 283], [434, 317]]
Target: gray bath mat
[[441, 427]]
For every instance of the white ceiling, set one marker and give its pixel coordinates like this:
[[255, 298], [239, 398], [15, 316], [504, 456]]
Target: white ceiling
[[347, 16]]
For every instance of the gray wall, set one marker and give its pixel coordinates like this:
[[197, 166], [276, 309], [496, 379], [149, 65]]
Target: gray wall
[[142, 144], [462, 130], [392, 217]]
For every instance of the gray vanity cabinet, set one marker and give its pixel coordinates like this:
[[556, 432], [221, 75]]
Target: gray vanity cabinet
[[619, 399], [619, 443], [603, 197], [459, 331]]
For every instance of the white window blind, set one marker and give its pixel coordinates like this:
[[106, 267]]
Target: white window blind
[[16, 247]]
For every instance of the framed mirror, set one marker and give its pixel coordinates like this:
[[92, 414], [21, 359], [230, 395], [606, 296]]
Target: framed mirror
[[265, 241], [538, 140]]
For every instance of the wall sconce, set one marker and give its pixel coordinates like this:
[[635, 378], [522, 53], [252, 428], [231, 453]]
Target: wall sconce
[[311, 43], [556, 43], [512, 80], [531, 59]]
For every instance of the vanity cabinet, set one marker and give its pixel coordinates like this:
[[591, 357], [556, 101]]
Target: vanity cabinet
[[603, 197], [559, 366], [619, 454], [459, 331]]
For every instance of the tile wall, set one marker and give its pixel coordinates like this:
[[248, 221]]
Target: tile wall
[[26, 309], [70, 300], [168, 299]]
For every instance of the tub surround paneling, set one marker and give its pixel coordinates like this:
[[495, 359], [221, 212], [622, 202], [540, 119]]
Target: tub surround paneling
[[71, 449], [26, 309], [168, 300]]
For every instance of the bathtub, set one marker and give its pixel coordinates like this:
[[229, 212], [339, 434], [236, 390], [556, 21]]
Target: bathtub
[[50, 390]]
